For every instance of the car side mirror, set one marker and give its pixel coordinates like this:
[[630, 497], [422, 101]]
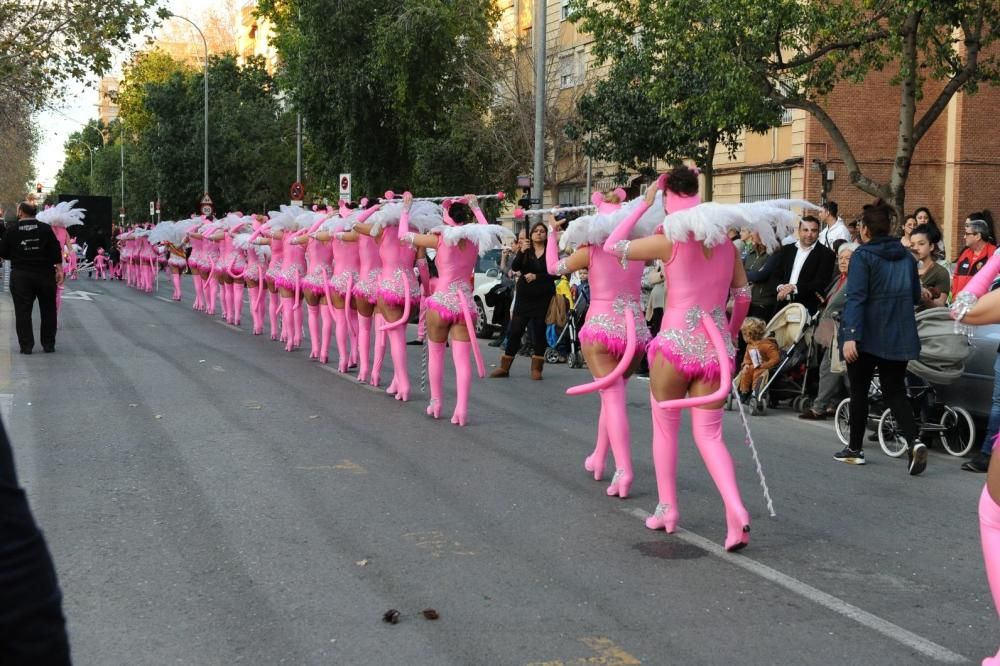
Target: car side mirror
[[493, 273]]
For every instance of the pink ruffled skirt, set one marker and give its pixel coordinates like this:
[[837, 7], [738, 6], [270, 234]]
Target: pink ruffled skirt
[[339, 281], [683, 342], [289, 277], [446, 301], [606, 325], [402, 284], [177, 262], [367, 287], [314, 282]]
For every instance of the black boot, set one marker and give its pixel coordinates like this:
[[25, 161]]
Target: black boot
[[980, 463]]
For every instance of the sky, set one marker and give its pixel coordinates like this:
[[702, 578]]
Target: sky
[[80, 105]]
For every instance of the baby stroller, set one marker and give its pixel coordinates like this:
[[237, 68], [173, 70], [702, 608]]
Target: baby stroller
[[568, 336], [943, 352], [791, 330]]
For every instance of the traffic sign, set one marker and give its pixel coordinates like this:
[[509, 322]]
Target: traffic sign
[[345, 187]]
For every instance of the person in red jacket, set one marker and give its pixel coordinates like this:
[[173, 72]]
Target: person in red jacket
[[978, 249]]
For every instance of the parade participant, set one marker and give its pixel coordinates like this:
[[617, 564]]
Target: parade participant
[[170, 237], [398, 290], [458, 244], [272, 233], [232, 262], [207, 264], [147, 260], [293, 269], [195, 262], [346, 264], [314, 286], [605, 336], [256, 261], [693, 354], [36, 270], [61, 218], [101, 264]]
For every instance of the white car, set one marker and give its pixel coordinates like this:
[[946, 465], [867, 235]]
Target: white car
[[487, 275]]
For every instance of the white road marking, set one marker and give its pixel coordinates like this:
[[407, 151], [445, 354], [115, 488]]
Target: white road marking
[[228, 325], [77, 295], [806, 591], [6, 406], [351, 378], [165, 300]]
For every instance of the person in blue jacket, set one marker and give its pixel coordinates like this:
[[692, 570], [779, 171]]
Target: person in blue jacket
[[878, 331]]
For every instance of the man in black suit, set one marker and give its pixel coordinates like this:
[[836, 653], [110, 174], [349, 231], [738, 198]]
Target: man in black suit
[[806, 268]]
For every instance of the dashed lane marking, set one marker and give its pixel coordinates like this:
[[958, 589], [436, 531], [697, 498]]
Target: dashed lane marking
[[828, 601]]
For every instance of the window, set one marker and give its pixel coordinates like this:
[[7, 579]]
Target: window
[[581, 65], [570, 195], [567, 70], [786, 117], [762, 185], [565, 11]]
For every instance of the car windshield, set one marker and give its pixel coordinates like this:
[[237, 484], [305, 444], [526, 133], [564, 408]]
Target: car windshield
[[489, 260]]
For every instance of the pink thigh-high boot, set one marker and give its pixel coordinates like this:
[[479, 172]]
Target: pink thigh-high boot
[[352, 317], [706, 424], [616, 419], [237, 302], [227, 302], [340, 321], [400, 373], [666, 423], [176, 277], [272, 311], [198, 296], [256, 312], [325, 331], [596, 460], [288, 322], [297, 317], [379, 356], [989, 531], [313, 315], [212, 295], [435, 376], [463, 380], [364, 342]]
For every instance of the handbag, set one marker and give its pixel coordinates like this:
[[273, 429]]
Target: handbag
[[556, 313]]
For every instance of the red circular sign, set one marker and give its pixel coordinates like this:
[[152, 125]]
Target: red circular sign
[[297, 191], [345, 183]]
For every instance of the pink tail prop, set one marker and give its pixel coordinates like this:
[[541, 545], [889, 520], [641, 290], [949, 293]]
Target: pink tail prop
[[401, 375], [463, 379], [272, 311], [725, 372], [379, 357], [298, 290], [471, 327], [989, 531], [326, 290], [402, 320], [623, 364], [435, 376], [237, 302]]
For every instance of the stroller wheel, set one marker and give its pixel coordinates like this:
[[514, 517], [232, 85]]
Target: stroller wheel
[[551, 355], [892, 442], [758, 405], [842, 421]]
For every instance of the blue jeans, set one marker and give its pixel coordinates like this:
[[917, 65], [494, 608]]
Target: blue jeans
[[993, 425]]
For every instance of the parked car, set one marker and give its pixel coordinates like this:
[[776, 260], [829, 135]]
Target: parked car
[[487, 276], [974, 390]]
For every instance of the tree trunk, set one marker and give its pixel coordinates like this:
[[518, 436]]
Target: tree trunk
[[708, 170]]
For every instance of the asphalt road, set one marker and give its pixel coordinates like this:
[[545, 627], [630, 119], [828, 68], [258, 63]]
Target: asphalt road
[[212, 499]]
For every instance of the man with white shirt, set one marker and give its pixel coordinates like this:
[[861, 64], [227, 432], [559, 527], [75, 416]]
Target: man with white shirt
[[834, 228], [806, 268]]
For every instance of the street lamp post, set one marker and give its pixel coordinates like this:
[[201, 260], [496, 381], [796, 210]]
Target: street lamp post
[[90, 150], [205, 42]]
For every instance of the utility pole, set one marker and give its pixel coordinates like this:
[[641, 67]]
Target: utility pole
[[539, 30]]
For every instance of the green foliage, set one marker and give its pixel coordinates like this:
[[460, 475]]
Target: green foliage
[[18, 142], [395, 95]]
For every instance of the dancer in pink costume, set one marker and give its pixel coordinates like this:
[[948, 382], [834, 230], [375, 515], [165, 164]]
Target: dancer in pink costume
[[101, 264], [61, 217], [613, 337], [207, 264], [346, 267], [232, 262], [262, 237], [694, 353], [196, 262], [314, 286], [73, 258], [458, 244], [125, 256], [287, 266], [398, 290], [256, 261], [976, 305], [170, 237], [365, 293]]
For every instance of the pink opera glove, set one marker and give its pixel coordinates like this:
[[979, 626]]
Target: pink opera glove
[[989, 531], [404, 224], [366, 213], [617, 243], [741, 305], [435, 376], [463, 380], [480, 216], [976, 288], [552, 263]]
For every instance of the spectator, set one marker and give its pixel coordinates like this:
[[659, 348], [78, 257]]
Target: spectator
[[834, 227], [581, 291], [908, 226], [535, 288], [805, 268], [501, 311], [852, 226], [762, 354], [831, 384], [654, 294], [923, 216], [736, 237], [762, 273], [934, 279], [979, 248], [879, 332]]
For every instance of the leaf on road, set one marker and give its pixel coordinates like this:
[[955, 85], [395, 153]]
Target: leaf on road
[[430, 614], [391, 616]]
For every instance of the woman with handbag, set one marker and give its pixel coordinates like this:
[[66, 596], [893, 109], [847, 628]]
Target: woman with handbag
[[535, 290], [832, 374]]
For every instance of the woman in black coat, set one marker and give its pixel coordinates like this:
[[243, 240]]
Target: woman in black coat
[[534, 290]]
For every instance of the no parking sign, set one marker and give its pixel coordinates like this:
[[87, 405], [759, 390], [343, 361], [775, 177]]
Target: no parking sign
[[345, 187]]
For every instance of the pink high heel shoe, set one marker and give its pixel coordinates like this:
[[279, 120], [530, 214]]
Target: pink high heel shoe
[[621, 482], [737, 532], [664, 518], [434, 408]]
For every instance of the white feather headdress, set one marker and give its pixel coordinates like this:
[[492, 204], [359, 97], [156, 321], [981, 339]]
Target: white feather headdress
[[424, 216], [595, 228], [486, 236], [168, 232], [710, 222], [62, 215]]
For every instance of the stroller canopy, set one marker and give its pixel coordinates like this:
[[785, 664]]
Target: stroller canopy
[[942, 350]]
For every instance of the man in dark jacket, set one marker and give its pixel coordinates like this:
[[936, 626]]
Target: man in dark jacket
[[805, 267], [36, 271], [878, 330]]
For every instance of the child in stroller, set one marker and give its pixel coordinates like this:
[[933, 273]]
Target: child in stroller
[[761, 355]]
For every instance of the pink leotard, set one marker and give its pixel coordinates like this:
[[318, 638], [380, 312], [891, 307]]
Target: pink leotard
[[318, 264], [455, 264], [397, 281]]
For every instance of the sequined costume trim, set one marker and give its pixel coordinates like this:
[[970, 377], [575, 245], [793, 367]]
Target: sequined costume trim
[[339, 282], [689, 349], [367, 287], [608, 328], [314, 282], [447, 302], [391, 289]]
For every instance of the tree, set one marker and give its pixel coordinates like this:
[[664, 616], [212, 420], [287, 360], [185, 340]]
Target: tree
[[18, 142], [664, 97], [46, 43], [795, 53]]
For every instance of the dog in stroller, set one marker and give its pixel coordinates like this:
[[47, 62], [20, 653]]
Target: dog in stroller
[[790, 329]]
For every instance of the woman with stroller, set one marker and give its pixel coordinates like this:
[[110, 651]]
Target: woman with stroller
[[831, 384], [879, 332]]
